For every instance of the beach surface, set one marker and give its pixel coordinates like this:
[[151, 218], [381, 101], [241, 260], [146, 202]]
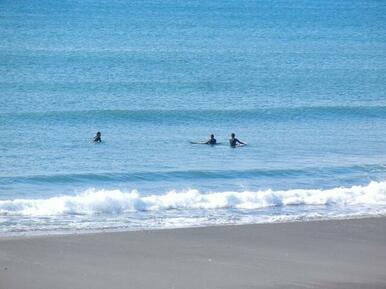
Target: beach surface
[[318, 254]]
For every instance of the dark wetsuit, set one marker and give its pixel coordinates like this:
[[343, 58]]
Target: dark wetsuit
[[212, 141], [234, 141], [97, 139]]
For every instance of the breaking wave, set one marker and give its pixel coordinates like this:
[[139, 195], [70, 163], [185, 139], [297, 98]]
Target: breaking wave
[[94, 201]]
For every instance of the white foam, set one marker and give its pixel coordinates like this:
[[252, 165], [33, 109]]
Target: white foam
[[117, 202]]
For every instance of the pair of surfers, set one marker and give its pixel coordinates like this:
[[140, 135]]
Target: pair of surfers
[[233, 141]]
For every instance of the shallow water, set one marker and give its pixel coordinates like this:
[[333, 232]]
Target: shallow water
[[303, 83]]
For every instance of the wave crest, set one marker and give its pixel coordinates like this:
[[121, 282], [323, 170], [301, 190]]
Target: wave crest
[[94, 201]]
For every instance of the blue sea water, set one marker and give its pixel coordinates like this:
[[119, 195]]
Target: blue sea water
[[302, 82]]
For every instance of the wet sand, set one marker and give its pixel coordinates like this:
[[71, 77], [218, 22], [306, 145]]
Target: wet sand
[[323, 254]]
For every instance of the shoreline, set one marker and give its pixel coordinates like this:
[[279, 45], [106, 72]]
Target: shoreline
[[315, 254], [22, 235]]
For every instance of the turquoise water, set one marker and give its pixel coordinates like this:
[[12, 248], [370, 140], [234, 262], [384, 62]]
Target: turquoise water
[[302, 82]]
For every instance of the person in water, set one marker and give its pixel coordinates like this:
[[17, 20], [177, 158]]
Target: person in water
[[97, 137], [212, 140], [233, 141]]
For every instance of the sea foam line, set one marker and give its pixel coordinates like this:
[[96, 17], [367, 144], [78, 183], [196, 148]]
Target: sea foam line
[[94, 201]]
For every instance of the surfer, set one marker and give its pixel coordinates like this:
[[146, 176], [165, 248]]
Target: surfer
[[233, 141], [97, 137], [212, 140]]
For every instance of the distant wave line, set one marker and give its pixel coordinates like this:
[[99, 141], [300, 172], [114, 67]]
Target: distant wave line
[[188, 174], [277, 114]]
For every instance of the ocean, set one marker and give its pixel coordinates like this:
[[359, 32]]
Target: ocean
[[303, 83]]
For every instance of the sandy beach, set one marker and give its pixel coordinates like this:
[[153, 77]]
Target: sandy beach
[[320, 254]]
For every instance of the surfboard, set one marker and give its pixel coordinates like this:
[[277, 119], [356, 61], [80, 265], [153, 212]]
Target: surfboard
[[239, 146], [204, 143]]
